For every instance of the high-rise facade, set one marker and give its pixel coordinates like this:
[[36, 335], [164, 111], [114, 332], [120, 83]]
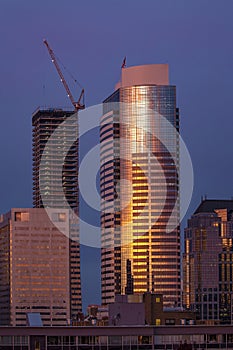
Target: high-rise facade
[[139, 185], [208, 261], [34, 267], [46, 179], [55, 179]]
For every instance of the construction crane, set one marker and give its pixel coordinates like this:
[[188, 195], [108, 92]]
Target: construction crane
[[77, 105]]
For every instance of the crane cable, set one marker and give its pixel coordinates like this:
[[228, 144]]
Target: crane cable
[[70, 74]]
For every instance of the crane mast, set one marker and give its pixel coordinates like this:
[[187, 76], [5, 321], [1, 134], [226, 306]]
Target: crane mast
[[77, 105]]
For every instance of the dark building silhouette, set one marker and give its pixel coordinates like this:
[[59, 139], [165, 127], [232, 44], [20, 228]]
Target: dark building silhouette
[[208, 261], [129, 285], [46, 180]]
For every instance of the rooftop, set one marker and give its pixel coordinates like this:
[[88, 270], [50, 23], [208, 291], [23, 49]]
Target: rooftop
[[210, 205]]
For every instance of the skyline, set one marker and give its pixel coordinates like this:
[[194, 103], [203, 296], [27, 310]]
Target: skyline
[[195, 39]]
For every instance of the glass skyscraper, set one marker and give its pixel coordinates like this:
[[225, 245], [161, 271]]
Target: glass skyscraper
[[139, 184]]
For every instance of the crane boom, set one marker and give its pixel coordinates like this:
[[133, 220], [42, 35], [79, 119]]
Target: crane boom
[[77, 105]]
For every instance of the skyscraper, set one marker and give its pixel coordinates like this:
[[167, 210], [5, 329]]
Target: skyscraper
[[139, 184], [46, 180], [59, 166], [208, 261]]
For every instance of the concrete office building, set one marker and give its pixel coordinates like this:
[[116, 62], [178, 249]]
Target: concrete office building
[[35, 267]]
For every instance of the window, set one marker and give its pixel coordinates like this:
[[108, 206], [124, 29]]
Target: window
[[62, 217], [170, 322], [59, 217], [157, 321], [21, 216]]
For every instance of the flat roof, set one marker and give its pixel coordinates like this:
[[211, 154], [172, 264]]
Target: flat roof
[[149, 74]]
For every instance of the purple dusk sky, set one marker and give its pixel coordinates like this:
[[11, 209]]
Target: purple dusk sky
[[92, 37]]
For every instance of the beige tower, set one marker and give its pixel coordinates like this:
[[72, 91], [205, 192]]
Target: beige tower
[[35, 267]]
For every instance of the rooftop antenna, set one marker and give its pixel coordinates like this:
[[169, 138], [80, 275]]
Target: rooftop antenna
[[123, 63]]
